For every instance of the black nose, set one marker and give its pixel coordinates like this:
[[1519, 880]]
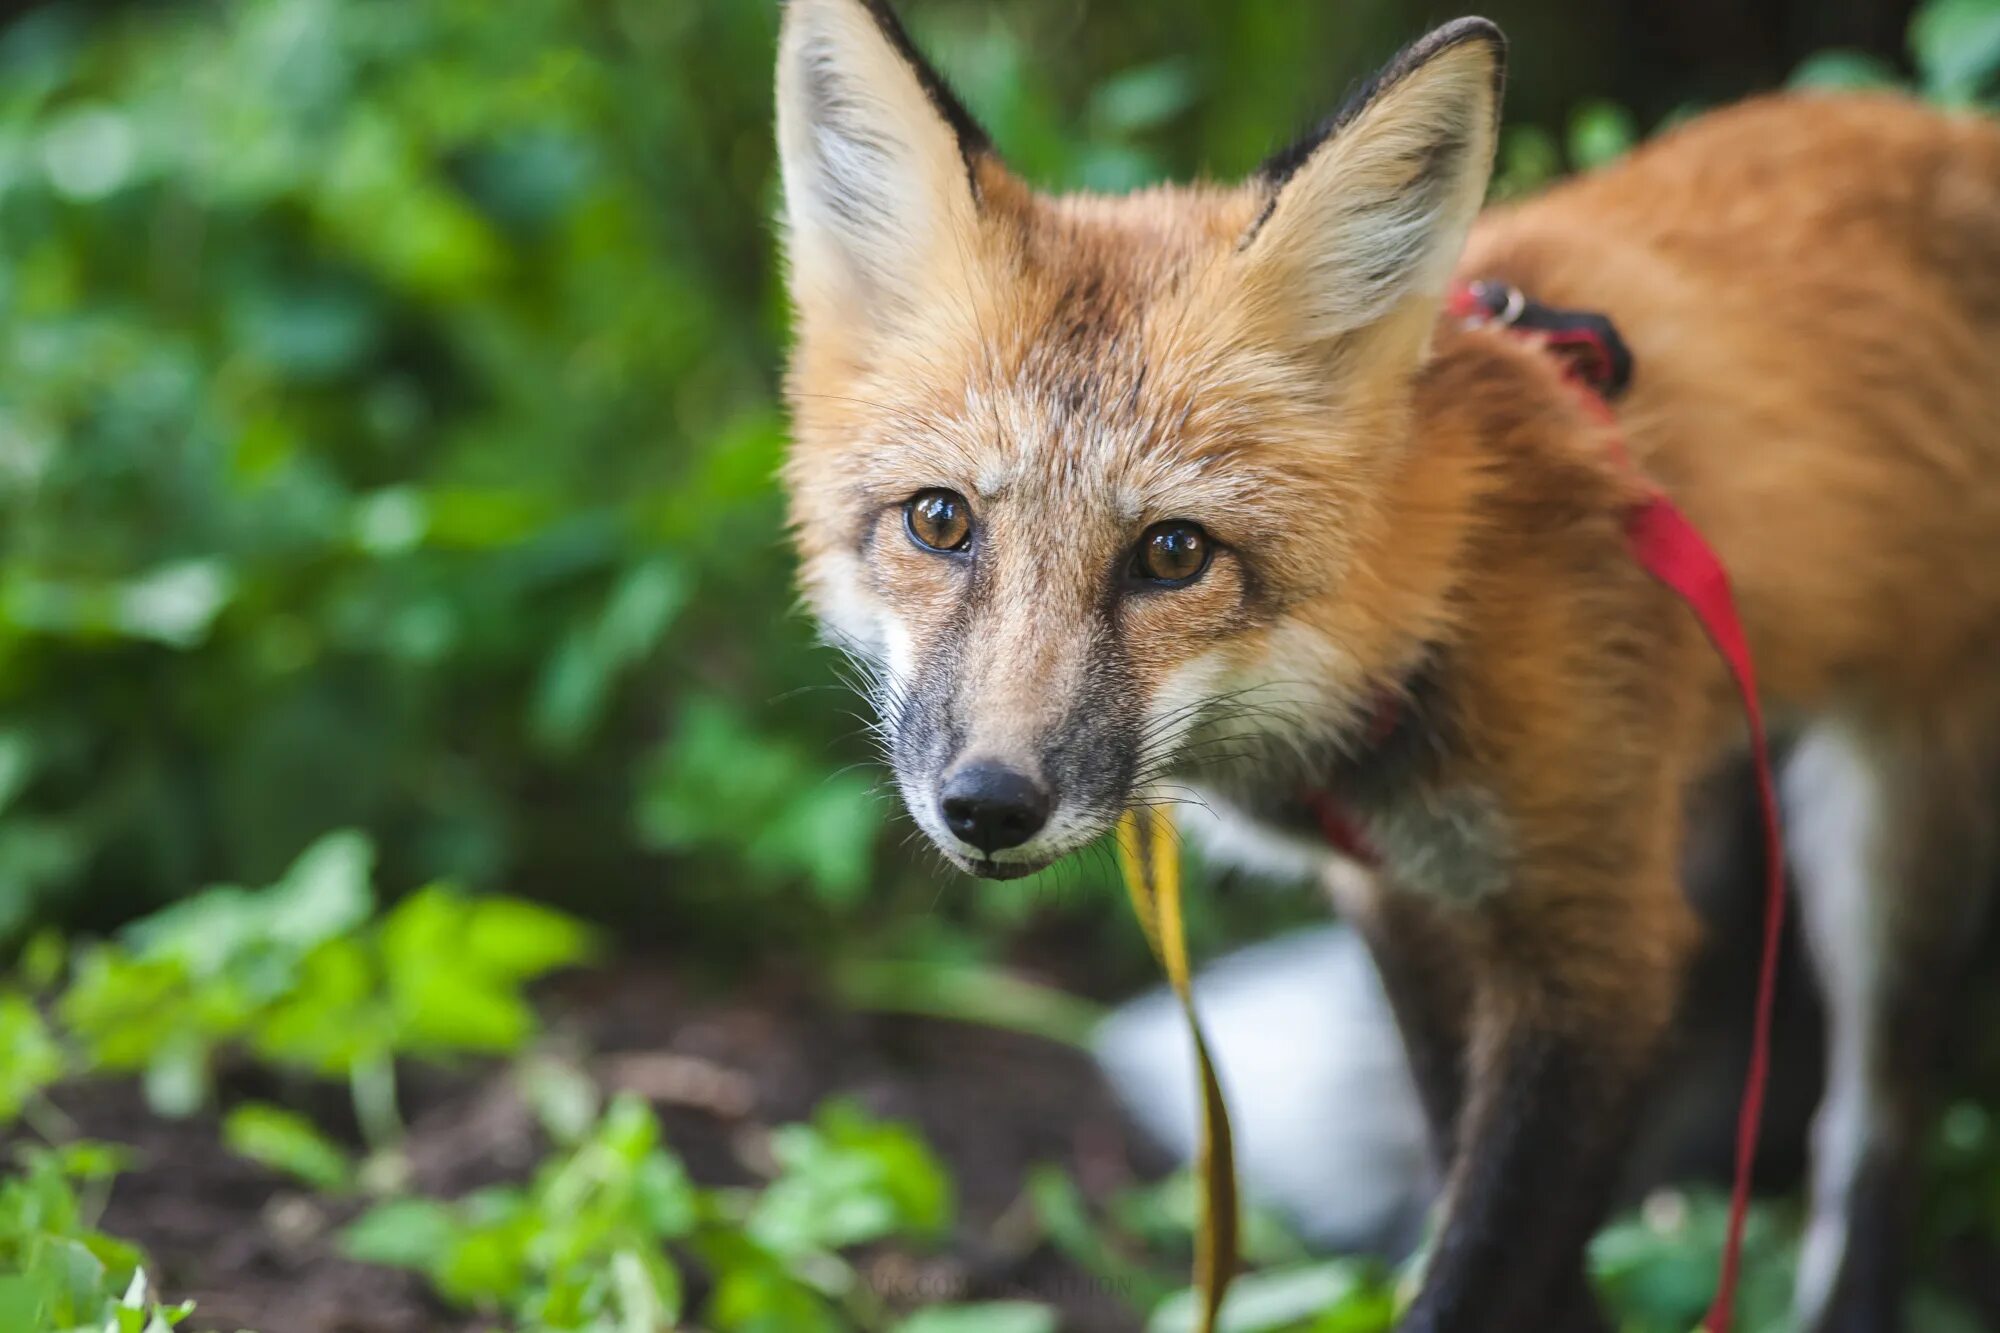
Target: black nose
[[992, 806]]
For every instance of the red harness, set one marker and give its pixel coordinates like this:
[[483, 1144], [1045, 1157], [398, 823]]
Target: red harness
[[1667, 546]]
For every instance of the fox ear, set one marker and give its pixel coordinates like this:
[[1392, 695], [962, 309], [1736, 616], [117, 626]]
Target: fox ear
[[877, 157], [1368, 214]]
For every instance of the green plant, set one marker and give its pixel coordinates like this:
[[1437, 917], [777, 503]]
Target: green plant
[[1954, 45], [591, 1242], [579, 1247], [301, 975], [57, 1271]]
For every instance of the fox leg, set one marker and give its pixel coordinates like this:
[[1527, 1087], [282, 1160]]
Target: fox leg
[[1530, 1048], [1571, 995], [1895, 851]]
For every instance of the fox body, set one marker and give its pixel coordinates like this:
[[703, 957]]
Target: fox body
[[1122, 497]]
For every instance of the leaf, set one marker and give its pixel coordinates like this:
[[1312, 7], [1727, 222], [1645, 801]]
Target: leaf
[[20, 1301], [72, 1278], [1065, 1218], [991, 1317], [1529, 159], [509, 939], [89, 152], [403, 1233], [565, 1099], [492, 1262], [648, 1291], [1956, 45], [755, 1295], [1600, 133], [1844, 71], [177, 1076], [390, 522], [334, 1016], [1144, 98], [43, 960], [325, 893], [288, 1142], [849, 1179], [577, 683], [1337, 1294], [176, 604], [721, 782], [17, 765], [30, 1059], [667, 1200], [87, 1159]]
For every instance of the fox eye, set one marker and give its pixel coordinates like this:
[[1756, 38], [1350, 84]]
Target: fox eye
[[938, 520], [1172, 554]]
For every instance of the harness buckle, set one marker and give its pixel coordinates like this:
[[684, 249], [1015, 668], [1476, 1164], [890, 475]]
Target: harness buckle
[[1499, 303]]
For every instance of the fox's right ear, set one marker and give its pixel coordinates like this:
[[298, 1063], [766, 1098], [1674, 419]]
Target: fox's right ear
[[878, 159]]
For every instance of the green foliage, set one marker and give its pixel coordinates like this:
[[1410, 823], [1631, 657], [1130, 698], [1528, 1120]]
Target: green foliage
[[391, 423], [578, 1248], [592, 1241], [393, 419], [1335, 1296], [388, 446], [32, 1058], [993, 1317], [1600, 133], [1844, 71], [301, 975], [1956, 45], [288, 1142], [1660, 1264], [57, 1271], [846, 1180]]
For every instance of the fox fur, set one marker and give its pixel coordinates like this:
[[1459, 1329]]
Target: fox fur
[[1396, 504]]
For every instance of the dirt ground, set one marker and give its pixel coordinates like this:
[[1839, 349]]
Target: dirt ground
[[256, 1252]]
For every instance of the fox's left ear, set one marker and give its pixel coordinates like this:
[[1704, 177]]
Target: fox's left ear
[[1368, 214], [878, 159]]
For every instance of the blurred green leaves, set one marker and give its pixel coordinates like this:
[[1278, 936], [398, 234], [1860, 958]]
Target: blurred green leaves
[[303, 975], [597, 1239], [57, 1271], [1956, 45], [721, 784], [375, 450], [286, 1141], [846, 1179], [578, 1248]]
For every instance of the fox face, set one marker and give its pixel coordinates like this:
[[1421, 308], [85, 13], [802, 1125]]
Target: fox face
[[1108, 492]]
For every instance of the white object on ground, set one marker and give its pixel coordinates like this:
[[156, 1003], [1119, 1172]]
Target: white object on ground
[[1329, 1129]]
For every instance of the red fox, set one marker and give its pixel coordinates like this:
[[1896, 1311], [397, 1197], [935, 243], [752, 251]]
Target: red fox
[[1121, 496]]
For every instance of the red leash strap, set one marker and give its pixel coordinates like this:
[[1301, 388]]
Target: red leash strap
[[1668, 547]]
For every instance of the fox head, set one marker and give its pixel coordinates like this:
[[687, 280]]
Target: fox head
[[1103, 490]]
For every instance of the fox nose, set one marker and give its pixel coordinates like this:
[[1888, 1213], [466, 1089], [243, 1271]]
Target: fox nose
[[992, 807]]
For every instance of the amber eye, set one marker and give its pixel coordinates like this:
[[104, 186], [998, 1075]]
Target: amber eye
[[939, 520], [1172, 553]]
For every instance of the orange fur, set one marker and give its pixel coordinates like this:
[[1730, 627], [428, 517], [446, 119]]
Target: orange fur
[[1811, 288]]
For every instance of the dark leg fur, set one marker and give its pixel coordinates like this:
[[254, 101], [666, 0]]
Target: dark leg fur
[[1532, 1158], [1540, 1151]]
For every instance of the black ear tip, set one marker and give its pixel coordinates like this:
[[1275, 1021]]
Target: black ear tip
[[1458, 32]]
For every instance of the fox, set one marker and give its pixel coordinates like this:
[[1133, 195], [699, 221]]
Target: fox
[[1132, 499]]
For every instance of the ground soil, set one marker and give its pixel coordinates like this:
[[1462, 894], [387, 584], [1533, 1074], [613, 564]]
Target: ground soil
[[256, 1252]]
